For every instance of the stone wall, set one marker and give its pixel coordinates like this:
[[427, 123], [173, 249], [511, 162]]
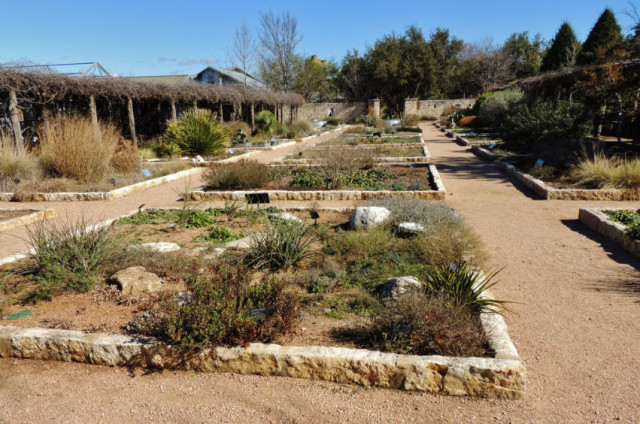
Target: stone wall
[[345, 111], [434, 108]]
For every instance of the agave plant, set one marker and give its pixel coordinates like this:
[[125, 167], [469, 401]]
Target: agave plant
[[464, 285]]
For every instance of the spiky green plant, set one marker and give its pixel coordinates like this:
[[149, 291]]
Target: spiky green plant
[[283, 243], [198, 133], [464, 285]]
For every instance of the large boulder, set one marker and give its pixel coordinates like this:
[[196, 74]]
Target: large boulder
[[369, 217], [396, 287], [135, 280]]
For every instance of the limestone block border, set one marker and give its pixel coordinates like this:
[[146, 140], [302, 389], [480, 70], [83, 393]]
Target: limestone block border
[[33, 216], [549, 193], [597, 220], [426, 156], [320, 195]]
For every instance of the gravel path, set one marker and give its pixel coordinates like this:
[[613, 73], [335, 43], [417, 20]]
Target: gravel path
[[576, 325]]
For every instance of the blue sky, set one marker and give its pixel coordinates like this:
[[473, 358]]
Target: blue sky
[[137, 37]]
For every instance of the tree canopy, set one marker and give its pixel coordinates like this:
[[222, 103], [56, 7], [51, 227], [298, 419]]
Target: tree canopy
[[563, 51], [603, 41]]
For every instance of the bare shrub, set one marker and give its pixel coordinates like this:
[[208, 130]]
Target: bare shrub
[[69, 147], [342, 162], [241, 175], [411, 120], [14, 165]]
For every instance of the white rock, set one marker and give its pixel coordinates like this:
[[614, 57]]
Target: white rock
[[410, 228], [369, 217], [243, 243], [394, 288], [135, 280], [283, 216], [160, 246]]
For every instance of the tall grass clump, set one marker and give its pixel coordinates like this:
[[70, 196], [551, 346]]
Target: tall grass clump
[[198, 133], [282, 244], [70, 255], [127, 158], [604, 172], [240, 175], [71, 148], [14, 165], [217, 311]]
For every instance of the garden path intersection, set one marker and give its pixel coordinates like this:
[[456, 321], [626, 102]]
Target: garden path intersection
[[575, 324]]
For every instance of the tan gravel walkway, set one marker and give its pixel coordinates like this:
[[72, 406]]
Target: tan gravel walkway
[[577, 326]]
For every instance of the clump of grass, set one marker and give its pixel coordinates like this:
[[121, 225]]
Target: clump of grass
[[217, 311], [284, 243], [70, 255], [241, 175], [13, 165], [72, 148], [421, 325], [126, 158], [604, 172], [430, 214]]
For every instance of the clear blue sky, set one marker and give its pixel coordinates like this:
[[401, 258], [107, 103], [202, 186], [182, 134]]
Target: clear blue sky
[[137, 37]]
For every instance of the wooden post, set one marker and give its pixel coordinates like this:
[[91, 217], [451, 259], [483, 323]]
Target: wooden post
[[94, 116], [221, 112], [174, 113], [195, 105], [253, 117], [132, 121], [15, 122]]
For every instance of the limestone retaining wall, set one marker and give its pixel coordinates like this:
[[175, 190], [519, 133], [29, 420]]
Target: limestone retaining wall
[[33, 216], [597, 220], [434, 108]]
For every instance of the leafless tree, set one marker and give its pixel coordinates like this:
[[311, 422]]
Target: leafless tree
[[243, 49], [278, 60]]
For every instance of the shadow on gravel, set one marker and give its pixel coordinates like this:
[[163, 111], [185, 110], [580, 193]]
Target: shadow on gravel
[[628, 283], [477, 169]]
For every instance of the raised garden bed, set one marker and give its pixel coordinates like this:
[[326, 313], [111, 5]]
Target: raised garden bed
[[600, 220], [548, 192], [337, 306], [381, 154], [406, 179], [11, 218]]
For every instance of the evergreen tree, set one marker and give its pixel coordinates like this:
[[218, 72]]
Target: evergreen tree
[[603, 41], [524, 54], [563, 51]]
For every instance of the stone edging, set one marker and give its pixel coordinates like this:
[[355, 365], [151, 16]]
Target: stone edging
[[597, 220], [549, 193], [320, 195], [35, 215], [123, 191], [503, 376]]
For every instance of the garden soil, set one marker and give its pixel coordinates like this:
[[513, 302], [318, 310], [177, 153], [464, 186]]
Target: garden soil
[[575, 322]]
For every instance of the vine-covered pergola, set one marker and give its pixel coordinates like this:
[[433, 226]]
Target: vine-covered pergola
[[138, 108]]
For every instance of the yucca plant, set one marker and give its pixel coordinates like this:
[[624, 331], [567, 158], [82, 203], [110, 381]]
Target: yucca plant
[[283, 243], [464, 285], [198, 133]]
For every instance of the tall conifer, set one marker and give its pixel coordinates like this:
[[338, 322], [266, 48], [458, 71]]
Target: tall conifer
[[563, 50]]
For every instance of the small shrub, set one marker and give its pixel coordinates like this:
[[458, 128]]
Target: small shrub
[[467, 121], [302, 127], [198, 133], [411, 120], [430, 214], [70, 147], [464, 286], [368, 120], [217, 311], [236, 127], [284, 243], [334, 121], [265, 122], [419, 325], [218, 235], [480, 101], [126, 157], [241, 175], [409, 129], [167, 150], [306, 178], [543, 121], [69, 256], [494, 108]]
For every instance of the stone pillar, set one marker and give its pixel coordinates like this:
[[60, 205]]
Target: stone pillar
[[411, 107], [375, 104]]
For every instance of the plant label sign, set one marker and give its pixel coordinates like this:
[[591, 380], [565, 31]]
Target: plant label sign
[[539, 162], [146, 173], [258, 313], [492, 146], [231, 151]]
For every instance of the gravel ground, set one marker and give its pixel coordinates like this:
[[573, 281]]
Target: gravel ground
[[575, 324]]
